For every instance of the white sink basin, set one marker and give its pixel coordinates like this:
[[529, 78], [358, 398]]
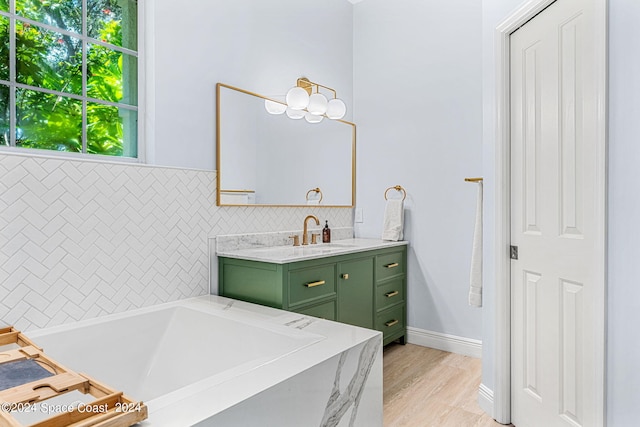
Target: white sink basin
[[338, 245], [300, 251]]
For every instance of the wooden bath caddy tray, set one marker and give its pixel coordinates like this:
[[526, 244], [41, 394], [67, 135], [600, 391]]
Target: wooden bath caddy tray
[[110, 408]]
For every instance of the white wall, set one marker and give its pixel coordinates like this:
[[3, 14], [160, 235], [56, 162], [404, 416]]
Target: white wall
[[623, 350], [253, 44], [623, 391], [417, 88]]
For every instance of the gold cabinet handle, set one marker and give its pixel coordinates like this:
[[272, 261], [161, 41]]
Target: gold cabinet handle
[[391, 294], [390, 323], [313, 284], [345, 276], [393, 265]]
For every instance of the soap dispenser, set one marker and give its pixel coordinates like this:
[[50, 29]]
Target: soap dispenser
[[326, 233]]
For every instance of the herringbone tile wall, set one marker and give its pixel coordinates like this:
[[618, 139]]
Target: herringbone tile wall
[[81, 239]]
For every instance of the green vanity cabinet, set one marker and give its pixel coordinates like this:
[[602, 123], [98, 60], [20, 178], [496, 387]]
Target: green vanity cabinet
[[365, 289]]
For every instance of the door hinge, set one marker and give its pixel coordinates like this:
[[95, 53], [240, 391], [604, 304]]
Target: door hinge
[[513, 251]]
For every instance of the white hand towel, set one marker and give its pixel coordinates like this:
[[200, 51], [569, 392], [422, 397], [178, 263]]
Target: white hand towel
[[393, 220], [475, 277], [313, 202]]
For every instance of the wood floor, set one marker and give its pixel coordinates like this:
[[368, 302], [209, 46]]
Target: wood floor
[[424, 387]]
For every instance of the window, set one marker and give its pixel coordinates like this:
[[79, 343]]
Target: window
[[69, 75]]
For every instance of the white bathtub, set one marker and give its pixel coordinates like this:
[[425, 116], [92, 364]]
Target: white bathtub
[[192, 359]]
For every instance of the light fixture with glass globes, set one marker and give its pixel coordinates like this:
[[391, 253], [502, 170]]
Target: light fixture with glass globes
[[305, 100]]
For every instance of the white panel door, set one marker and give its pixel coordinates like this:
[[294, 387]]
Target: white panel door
[[554, 220]]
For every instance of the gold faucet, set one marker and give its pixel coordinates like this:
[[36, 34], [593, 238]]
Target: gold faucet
[[305, 236]]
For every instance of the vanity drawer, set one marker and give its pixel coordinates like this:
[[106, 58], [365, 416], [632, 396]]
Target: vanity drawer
[[389, 265], [390, 293], [310, 284], [325, 310], [391, 321]]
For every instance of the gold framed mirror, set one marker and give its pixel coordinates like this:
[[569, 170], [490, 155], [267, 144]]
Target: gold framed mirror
[[265, 159]]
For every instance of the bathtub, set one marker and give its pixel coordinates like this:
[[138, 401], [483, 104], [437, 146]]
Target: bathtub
[[191, 360]]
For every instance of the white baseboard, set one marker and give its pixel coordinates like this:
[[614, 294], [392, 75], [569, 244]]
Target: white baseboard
[[445, 342], [485, 399]]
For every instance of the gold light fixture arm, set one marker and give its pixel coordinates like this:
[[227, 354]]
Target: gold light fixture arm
[[308, 85], [473, 179]]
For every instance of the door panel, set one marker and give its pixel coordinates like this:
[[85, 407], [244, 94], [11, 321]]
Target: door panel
[[355, 292], [553, 222]]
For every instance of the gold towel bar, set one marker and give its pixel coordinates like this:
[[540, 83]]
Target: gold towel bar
[[473, 179], [397, 188]]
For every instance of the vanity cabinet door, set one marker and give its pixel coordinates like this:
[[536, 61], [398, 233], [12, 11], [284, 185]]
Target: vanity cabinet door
[[252, 281], [355, 292]]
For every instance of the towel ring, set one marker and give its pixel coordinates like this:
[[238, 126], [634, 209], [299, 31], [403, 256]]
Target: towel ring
[[314, 190], [397, 188]]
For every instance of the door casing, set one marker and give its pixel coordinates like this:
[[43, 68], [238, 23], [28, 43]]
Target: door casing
[[502, 188]]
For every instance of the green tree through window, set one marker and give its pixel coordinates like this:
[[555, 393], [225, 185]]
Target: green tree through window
[[69, 76]]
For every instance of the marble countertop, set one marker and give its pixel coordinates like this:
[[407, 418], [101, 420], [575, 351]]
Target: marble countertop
[[287, 254]]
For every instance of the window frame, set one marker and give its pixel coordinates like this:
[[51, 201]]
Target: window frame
[[13, 85]]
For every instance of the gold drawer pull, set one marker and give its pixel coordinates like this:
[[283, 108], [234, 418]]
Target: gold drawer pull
[[390, 323], [318, 283], [391, 294], [345, 276], [393, 265]]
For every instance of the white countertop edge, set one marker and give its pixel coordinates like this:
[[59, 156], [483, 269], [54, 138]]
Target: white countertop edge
[[288, 254]]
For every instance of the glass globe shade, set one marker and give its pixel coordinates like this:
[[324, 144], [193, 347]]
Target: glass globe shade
[[295, 114], [297, 98], [336, 109], [273, 107], [317, 104], [313, 118]]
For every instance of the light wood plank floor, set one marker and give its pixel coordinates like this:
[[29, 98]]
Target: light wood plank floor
[[424, 387]]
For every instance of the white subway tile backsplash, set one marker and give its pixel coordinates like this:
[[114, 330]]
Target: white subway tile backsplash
[[83, 239]]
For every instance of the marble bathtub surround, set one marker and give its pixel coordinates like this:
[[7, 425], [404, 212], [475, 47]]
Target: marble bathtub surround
[[340, 402], [284, 388], [234, 242]]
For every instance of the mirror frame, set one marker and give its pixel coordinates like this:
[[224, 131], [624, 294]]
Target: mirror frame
[[219, 86]]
